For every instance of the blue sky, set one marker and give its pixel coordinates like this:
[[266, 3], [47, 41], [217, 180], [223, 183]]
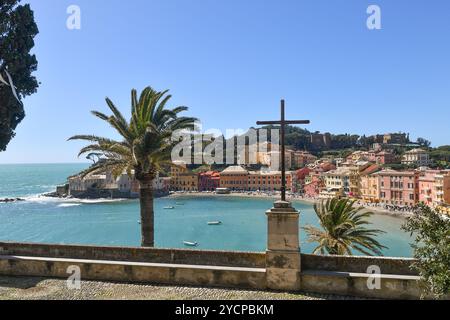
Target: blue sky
[[232, 61]]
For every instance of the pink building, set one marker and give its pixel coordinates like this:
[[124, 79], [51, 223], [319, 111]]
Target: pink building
[[208, 181], [398, 187], [298, 179], [434, 187], [385, 157], [314, 186]]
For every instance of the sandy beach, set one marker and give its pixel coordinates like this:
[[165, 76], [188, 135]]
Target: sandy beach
[[378, 210]]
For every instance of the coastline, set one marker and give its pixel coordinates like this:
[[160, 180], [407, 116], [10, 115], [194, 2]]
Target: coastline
[[376, 210]]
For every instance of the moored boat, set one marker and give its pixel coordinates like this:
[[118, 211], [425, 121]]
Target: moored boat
[[190, 244]]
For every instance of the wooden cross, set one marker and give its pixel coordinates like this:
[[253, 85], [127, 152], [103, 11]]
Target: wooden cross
[[283, 122]]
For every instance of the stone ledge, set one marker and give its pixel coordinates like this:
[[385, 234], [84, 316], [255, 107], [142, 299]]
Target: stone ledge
[[355, 284], [136, 254], [357, 275], [157, 273]]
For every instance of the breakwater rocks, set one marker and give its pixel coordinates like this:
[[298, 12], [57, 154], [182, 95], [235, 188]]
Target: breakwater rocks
[[7, 200]]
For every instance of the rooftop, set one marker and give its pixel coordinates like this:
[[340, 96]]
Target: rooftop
[[234, 169]]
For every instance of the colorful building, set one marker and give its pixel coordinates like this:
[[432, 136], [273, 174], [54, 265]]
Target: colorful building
[[338, 180], [398, 187], [385, 157], [298, 179], [234, 178], [417, 157], [187, 181], [434, 187], [266, 180], [314, 184], [301, 159], [176, 169], [209, 181], [370, 184]]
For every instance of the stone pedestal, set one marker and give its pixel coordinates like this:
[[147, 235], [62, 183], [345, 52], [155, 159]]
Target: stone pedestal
[[283, 263]]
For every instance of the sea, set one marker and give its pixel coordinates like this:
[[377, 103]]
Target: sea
[[41, 219]]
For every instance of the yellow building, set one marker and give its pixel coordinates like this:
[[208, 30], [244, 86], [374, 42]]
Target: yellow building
[[370, 188], [338, 180], [176, 170], [187, 181]]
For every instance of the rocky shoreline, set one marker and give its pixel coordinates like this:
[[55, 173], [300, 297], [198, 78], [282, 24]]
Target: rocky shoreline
[[8, 200]]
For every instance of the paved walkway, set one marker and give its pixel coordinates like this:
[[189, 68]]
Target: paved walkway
[[32, 288]]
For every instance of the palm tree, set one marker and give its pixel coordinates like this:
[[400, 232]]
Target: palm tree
[[344, 229], [145, 146]]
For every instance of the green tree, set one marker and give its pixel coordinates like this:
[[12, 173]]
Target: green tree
[[423, 142], [343, 229], [145, 148], [431, 249], [17, 31]]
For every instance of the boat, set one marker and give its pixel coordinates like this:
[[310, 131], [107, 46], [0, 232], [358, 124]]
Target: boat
[[190, 244], [169, 208], [214, 223]]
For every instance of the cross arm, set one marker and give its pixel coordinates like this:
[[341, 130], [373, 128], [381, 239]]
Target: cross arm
[[259, 123]]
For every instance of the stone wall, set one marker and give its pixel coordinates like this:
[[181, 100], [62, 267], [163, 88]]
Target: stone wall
[[357, 264], [136, 254], [344, 275]]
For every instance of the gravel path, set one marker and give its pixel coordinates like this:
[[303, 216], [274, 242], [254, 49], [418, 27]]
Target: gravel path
[[33, 288]]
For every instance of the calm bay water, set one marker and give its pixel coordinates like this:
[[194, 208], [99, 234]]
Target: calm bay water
[[105, 222]]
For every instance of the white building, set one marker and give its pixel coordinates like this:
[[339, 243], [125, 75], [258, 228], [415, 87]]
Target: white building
[[418, 157]]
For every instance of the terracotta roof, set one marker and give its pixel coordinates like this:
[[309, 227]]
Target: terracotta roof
[[371, 169]]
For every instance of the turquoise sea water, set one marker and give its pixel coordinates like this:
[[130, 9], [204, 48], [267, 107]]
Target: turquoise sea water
[[104, 222]]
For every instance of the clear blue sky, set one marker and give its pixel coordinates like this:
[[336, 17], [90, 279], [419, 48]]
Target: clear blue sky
[[232, 61]]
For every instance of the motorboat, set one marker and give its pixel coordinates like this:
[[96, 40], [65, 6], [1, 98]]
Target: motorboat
[[169, 208], [214, 223], [190, 244]]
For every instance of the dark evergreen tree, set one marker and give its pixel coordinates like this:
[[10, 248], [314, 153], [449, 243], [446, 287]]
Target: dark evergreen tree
[[17, 31]]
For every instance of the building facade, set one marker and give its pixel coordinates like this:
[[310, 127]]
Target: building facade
[[417, 157], [399, 187], [434, 187], [234, 178], [266, 180], [209, 181]]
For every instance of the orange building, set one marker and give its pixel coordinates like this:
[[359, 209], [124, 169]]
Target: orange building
[[267, 180], [234, 178]]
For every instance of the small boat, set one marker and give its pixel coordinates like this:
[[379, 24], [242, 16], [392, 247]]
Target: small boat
[[169, 208], [190, 244], [214, 223]]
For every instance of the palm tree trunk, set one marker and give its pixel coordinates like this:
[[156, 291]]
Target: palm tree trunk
[[147, 213]]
